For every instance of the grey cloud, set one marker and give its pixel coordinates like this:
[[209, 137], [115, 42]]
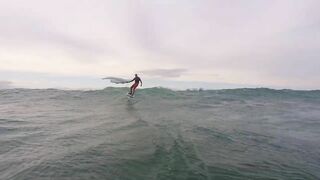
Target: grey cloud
[[31, 31], [168, 73]]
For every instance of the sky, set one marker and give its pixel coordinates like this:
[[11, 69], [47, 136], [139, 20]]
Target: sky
[[170, 43]]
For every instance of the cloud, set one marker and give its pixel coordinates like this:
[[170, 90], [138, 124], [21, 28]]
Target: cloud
[[6, 85], [262, 42], [166, 73], [31, 32]]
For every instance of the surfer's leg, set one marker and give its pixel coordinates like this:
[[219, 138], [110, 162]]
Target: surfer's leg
[[131, 89], [134, 88]]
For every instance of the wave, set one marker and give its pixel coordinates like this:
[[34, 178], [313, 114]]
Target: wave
[[160, 134], [204, 98]]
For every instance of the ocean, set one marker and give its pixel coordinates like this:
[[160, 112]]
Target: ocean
[[160, 134]]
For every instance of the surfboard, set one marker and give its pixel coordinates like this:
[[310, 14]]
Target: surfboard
[[130, 96]]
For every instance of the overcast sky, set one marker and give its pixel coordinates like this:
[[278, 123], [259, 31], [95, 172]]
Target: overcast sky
[[74, 43]]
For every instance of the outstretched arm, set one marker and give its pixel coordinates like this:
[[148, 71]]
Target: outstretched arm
[[130, 81]]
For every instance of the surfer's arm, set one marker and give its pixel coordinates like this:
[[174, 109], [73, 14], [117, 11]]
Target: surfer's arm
[[141, 82]]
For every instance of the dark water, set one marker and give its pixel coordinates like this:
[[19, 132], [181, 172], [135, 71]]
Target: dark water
[[160, 134]]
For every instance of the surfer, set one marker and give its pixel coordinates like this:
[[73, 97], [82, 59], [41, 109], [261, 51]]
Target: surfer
[[136, 80]]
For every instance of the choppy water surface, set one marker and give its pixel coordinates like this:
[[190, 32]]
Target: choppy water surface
[[160, 134]]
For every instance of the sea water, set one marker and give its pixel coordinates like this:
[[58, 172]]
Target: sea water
[[160, 134]]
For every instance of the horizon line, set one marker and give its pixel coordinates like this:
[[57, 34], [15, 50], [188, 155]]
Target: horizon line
[[160, 87]]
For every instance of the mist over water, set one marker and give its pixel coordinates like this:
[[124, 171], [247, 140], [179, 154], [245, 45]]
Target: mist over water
[[160, 134]]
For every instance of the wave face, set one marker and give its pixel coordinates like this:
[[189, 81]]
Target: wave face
[[160, 134]]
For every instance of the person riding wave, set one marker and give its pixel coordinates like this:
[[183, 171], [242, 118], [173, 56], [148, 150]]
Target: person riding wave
[[136, 80]]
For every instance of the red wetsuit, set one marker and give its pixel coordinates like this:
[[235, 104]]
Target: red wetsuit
[[135, 85]]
